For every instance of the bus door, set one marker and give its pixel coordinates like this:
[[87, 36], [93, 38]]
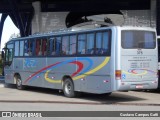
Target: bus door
[[7, 62], [138, 56]]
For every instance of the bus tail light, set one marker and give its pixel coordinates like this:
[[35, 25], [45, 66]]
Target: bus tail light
[[118, 74]]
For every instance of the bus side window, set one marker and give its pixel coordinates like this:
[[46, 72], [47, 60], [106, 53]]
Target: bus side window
[[26, 48], [38, 46], [44, 47], [48, 46], [102, 43], [65, 45], [51, 46], [58, 45], [41, 47], [90, 44], [105, 44], [16, 50], [72, 45], [55, 46], [31, 47], [98, 43], [81, 44], [21, 48]]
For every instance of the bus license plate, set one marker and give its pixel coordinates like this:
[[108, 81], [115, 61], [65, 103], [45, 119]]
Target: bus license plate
[[139, 86]]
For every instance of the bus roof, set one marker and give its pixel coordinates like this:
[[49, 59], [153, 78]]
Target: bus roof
[[73, 31]]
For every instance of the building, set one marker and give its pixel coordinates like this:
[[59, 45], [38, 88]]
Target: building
[[32, 16]]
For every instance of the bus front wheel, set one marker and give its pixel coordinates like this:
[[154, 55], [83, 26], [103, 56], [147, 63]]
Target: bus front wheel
[[68, 88], [19, 82]]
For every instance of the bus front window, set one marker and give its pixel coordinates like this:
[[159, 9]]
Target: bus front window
[[8, 54]]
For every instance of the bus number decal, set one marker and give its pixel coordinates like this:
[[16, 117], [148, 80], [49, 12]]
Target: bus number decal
[[139, 52]]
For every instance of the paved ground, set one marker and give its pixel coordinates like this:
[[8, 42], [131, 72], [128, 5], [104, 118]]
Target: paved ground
[[41, 95], [72, 107], [38, 99], [1, 81]]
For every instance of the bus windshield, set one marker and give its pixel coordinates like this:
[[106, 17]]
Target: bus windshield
[[133, 39]]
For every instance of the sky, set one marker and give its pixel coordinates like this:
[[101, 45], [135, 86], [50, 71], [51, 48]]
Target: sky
[[8, 29]]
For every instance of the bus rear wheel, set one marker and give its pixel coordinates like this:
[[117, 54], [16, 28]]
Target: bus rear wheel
[[19, 82], [68, 88]]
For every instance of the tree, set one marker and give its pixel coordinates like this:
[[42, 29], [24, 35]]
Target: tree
[[14, 35]]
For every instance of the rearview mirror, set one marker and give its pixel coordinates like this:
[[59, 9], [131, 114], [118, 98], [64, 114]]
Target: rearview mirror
[[2, 55]]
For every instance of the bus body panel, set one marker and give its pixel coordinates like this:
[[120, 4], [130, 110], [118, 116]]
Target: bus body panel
[[48, 73]]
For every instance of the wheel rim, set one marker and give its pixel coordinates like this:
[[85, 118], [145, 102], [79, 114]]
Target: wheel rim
[[68, 88], [19, 82]]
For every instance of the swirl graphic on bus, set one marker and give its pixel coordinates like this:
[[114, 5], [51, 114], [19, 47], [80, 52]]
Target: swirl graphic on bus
[[81, 71], [139, 72]]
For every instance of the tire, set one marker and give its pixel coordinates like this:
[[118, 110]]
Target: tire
[[108, 94], [68, 88], [19, 83]]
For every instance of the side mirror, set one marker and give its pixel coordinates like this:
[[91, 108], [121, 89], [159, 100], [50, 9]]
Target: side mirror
[[2, 54]]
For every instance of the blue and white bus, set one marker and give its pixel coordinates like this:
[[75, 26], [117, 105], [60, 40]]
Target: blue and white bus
[[100, 60]]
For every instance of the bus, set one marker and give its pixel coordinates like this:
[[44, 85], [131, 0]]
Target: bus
[[158, 39], [99, 60]]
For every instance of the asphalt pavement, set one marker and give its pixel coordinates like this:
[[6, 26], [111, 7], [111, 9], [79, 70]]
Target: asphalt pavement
[[41, 95]]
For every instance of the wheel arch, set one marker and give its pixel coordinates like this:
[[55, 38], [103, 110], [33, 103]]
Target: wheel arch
[[65, 77]]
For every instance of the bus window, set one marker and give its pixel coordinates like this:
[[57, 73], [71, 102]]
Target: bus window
[[98, 43], [52, 46], [38, 47], [29, 47], [21, 48], [41, 47], [90, 44], [26, 48], [58, 45], [148, 40], [48, 47], [44, 47], [102, 43], [81, 44], [65, 45], [105, 44], [133, 39], [72, 45], [9, 53], [16, 50], [55, 46]]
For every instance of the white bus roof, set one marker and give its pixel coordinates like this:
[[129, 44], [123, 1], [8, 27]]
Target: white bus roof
[[70, 31]]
